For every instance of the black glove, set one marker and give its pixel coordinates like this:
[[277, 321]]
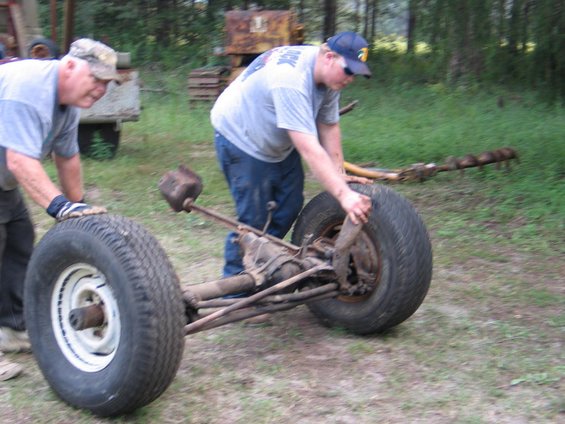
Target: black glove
[[61, 208]]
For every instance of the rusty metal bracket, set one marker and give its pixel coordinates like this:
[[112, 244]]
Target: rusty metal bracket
[[347, 236]]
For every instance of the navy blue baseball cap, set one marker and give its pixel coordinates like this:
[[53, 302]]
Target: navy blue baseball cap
[[354, 49]]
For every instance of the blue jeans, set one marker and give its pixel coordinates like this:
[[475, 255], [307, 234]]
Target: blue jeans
[[253, 183]]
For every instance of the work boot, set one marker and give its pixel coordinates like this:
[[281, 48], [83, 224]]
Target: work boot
[[14, 341], [8, 369]]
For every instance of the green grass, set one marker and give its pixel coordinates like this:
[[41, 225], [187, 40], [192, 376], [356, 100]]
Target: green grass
[[392, 127], [487, 343]]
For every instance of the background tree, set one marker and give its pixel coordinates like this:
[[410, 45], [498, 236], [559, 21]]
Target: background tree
[[411, 28], [330, 6], [508, 41]]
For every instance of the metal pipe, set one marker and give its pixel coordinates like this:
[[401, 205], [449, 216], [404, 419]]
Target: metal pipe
[[190, 328], [242, 314], [301, 296], [194, 293], [236, 225], [87, 317]]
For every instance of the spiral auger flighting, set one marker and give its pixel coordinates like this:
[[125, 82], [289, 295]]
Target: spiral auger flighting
[[423, 171]]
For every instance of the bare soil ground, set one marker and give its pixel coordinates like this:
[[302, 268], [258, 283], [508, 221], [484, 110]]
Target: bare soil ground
[[486, 346]]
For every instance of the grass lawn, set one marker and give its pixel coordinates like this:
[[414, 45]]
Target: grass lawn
[[486, 346]]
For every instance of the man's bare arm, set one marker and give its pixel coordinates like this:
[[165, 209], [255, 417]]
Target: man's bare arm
[[356, 205], [32, 177], [330, 139], [70, 177]]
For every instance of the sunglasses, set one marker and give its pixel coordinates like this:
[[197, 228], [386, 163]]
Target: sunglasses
[[345, 68]]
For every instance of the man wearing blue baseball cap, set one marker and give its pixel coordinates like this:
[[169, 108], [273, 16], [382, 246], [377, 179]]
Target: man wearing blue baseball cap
[[354, 49], [284, 108]]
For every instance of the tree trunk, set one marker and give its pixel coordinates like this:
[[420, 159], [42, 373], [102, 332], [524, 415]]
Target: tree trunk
[[357, 16], [329, 18], [410, 42], [514, 29], [374, 10], [162, 35], [366, 20]]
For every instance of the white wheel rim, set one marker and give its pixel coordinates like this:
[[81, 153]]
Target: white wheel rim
[[92, 349]]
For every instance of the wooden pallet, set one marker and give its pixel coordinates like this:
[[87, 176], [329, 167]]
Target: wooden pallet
[[206, 84]]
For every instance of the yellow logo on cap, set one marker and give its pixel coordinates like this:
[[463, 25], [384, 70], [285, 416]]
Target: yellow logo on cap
[[363, 54]]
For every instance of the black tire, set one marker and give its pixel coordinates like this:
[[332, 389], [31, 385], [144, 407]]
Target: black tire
[[132, 358], [98, 141], [392, 258]]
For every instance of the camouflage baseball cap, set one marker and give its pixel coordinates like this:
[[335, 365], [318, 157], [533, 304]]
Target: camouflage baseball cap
[[101, 58]]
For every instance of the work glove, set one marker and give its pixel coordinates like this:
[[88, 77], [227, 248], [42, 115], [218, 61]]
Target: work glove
[[62, 208]]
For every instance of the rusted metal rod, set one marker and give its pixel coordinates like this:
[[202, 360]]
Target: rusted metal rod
[[233, 224], [87, 317], [277, 298], [250, 312], [192, 327]]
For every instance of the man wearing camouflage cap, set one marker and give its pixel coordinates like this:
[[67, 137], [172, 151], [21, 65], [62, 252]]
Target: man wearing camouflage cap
[[39, 110]]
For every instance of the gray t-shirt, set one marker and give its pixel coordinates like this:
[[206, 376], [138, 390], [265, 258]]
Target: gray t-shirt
[[274, 94], [33, 122]]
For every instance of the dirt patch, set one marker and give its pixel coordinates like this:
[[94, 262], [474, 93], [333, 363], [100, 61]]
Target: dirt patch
[[486, 346]]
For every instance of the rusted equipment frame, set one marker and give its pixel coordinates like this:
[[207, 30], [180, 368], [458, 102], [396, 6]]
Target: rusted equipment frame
[[271, 264], [196, 326], [264, 308]]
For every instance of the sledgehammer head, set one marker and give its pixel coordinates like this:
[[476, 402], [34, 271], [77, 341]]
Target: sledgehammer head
[[179, 185]]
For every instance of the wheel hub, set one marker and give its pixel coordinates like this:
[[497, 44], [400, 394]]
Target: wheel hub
[[82, 287]]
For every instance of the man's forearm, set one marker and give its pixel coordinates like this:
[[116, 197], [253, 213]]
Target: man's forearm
[[330, 139], [32, 177], [70, 177], [320, 163]]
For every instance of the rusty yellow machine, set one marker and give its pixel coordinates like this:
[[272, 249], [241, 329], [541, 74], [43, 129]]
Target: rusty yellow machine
[[248, 33]]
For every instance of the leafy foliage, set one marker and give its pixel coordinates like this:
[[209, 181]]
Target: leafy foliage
[[517, 41], [100, 149]]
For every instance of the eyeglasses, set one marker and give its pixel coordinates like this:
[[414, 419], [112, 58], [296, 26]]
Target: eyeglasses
[[345, 68]]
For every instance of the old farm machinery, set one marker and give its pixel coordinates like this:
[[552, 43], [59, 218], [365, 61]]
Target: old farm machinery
[[107, 315], [248, 33]]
